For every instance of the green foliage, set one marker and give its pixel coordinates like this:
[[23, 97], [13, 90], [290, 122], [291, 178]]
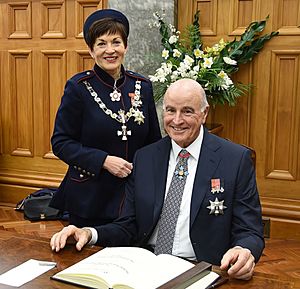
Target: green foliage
[[213, 66]]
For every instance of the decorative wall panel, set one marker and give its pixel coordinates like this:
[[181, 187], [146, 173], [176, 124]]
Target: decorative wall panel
[[287, 16], [54, 66], [284, 111], [84, 60], [19, 20], [20, 67], [53, 19], [208, 16], [242, 12], [83, 8]]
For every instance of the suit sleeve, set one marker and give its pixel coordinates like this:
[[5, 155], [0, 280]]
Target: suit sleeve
[[123, 231], [66, 137], [247, 227]]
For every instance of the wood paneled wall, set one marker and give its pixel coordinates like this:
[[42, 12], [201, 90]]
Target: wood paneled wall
[[41, 47], [268, 118]]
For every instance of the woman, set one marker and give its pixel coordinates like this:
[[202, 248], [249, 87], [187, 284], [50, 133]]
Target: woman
[[105, 115]]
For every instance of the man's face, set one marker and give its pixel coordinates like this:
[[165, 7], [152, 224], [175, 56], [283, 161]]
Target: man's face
[[183, 116]]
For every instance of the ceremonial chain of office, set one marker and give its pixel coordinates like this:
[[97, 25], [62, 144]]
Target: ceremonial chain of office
[[122, 116]]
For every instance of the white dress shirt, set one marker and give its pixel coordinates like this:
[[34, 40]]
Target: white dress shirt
[[182, 245]]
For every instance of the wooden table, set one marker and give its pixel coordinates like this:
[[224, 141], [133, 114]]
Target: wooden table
[[279, 267]]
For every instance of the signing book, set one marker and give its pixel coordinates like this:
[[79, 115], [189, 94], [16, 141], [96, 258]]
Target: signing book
[[136, 268]]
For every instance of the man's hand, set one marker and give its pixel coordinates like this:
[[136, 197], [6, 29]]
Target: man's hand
[[240, 262], [81, 236]]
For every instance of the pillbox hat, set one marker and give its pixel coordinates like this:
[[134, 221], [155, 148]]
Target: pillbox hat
[[104, 13]]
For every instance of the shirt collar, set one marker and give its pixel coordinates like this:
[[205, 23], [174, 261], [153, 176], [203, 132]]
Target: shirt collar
[[194, 148]]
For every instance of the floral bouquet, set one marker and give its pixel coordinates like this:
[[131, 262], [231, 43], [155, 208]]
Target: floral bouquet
[[212, 67]]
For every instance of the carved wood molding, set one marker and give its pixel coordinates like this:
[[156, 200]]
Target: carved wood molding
[[281, 208], [19, 20], [31, 179]]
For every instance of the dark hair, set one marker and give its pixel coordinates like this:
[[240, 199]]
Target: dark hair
[[106, 26]]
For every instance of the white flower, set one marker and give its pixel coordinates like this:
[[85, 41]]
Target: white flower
[[174, 75], [198, 53], [165, 53], [176, 53], [166, 67], [196, 68], [222, 74], [173, 39], [188, 60], [227, 82], [172, 28], [208, 62], [153, 78], [193, 74], [183, 67], [228, 60]]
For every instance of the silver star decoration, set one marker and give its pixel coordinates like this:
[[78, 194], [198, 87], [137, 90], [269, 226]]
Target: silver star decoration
[[216, 207]]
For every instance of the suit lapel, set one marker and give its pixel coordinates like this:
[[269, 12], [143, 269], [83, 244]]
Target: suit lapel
[[207, 164]]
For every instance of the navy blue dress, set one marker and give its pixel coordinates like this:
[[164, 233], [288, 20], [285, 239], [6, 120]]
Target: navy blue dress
[[84, 134]]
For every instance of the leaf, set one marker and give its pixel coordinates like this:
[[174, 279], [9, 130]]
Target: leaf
[[250, 43]]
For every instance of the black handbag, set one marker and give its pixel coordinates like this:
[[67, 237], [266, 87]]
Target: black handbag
[[36, 206]]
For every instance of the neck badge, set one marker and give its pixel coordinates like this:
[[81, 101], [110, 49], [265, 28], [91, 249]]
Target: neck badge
[[115, 95]]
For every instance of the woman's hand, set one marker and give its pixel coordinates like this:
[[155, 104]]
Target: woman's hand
[[117, 166]]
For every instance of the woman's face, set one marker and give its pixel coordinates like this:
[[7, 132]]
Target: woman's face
[[108, 53]]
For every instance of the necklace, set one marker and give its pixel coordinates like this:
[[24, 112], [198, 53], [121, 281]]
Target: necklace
[[122, 116], [115, 95]]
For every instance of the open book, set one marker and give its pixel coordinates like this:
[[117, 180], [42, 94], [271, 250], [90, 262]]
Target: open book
[[136, 268]]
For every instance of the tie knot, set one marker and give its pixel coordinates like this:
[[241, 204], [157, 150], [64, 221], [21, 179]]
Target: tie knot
[[184, 154]]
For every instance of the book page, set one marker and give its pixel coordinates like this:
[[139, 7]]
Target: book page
[[110, 266], [205, 281], [137, 268], [165, 267]]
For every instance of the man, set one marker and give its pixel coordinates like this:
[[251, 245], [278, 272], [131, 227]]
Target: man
[[219, 220]]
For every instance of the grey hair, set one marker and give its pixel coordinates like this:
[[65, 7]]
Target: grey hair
[[203, 103]]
